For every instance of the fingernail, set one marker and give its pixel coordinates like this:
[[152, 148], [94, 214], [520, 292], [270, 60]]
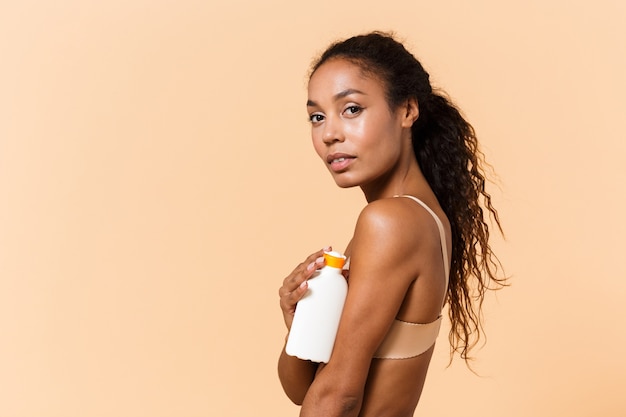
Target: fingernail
[[303, 284], [328, 249], [319, 260], [311, 266]]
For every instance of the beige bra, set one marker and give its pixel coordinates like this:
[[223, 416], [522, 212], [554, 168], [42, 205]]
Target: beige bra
[[404, 339]]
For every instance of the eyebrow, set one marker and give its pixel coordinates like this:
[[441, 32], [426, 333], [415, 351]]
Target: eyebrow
[[338, 96]]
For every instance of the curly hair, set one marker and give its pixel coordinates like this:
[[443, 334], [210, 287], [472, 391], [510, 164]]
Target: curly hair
[[447, 151]]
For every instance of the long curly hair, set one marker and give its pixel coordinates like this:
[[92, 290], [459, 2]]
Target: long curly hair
[[447, 151]]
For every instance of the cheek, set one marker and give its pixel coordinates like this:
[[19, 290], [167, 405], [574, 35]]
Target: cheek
[[358, 129], [318, 144], [384, 142], [370, 135]]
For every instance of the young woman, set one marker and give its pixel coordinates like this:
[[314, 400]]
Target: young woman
[[421, 241]]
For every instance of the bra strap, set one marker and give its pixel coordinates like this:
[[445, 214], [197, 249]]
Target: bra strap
[[442, 235]]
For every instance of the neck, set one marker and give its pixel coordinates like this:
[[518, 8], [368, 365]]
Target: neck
[[407, 178]]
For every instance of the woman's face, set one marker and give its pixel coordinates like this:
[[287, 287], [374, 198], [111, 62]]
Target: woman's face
[[354, 131]]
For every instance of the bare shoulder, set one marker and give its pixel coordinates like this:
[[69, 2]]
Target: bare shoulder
[[395, 227], [395, 217]]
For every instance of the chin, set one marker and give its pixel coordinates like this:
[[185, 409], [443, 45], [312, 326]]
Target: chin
[[345, 182]]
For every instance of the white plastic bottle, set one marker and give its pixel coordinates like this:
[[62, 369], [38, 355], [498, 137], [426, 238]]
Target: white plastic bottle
[[315, 323]]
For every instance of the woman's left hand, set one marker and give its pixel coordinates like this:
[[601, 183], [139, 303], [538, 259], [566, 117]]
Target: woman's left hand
[[295, 284]]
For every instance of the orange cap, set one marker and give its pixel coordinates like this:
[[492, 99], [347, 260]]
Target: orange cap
[[334, 259]]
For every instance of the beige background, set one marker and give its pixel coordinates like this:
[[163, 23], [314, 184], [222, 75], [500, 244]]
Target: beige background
[[157, 183]]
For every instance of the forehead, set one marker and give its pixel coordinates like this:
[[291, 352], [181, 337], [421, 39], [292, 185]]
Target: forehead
[[338, 75]]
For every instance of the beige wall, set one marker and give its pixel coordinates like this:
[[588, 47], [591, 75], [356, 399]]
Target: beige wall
[[157, 182]]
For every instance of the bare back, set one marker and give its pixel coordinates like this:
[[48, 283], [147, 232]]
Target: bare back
[[393, 386]]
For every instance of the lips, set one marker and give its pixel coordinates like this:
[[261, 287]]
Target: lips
[[339, 161]]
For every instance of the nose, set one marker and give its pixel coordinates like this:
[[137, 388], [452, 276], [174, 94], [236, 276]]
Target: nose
[[332, 131]]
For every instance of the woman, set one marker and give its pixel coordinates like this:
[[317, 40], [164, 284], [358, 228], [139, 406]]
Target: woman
[[421, 241]]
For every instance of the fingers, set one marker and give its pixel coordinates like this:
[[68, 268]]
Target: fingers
[[302, 272], [289, 300], [295, 284], [296, 281]]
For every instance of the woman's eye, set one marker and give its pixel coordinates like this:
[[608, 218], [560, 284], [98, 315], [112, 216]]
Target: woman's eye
[[316, 118], [352, 110]]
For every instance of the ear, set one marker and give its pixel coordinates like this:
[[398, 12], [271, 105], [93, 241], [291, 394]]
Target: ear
[[410, 111]]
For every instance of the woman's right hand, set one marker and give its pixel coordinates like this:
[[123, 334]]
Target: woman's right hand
[[295, 285]]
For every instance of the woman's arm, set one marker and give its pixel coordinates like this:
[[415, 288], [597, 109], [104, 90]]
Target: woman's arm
[[296, 375], [382, 267]]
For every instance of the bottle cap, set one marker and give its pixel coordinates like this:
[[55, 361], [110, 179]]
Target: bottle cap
[[334, 259]]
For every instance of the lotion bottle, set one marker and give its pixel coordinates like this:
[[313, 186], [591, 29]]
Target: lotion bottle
[[316, 320]]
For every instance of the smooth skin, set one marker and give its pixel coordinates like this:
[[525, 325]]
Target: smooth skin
[[396, 265]]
